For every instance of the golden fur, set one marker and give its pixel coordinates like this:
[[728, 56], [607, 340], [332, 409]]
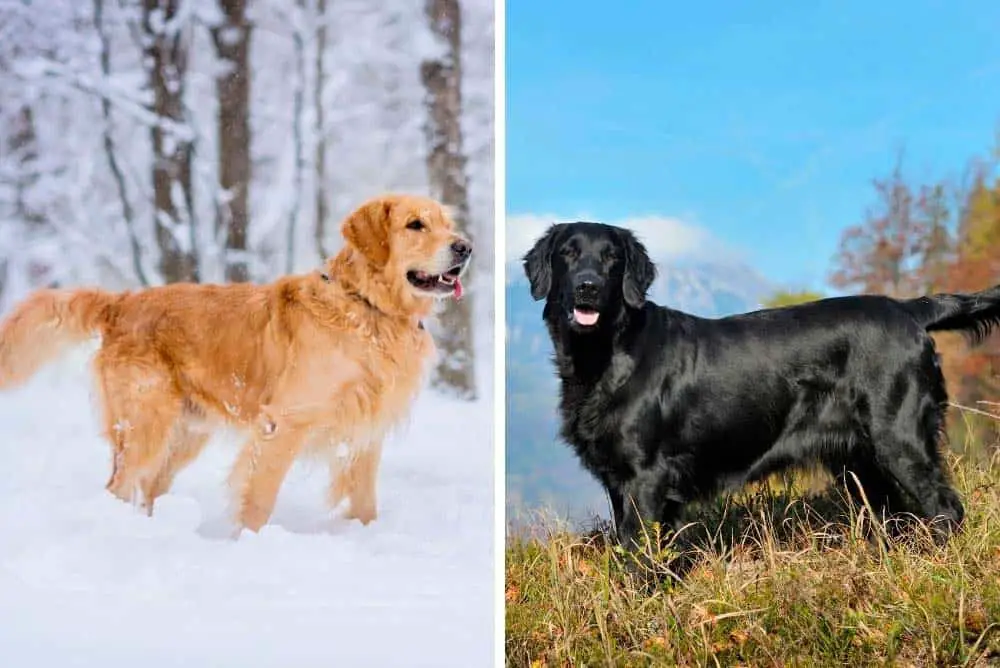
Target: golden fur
[[302, 364]]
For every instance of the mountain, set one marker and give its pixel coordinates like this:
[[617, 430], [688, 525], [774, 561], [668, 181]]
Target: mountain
[[542, 472]]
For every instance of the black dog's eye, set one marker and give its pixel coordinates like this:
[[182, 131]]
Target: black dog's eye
[[415, 225], [610, 255], [568, 252]]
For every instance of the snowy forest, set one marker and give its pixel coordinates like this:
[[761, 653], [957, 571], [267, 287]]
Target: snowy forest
[[152, 141]]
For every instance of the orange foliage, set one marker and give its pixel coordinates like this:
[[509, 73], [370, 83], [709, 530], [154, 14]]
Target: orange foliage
[[927, 239], [902, 246], [977, 266]]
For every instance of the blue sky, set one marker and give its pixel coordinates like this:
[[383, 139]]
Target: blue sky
[[761, 122]]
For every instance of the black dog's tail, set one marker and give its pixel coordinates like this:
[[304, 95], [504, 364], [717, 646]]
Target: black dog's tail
[[975, 314]]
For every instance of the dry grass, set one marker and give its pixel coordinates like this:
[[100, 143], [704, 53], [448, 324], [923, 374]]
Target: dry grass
[[779, 578]]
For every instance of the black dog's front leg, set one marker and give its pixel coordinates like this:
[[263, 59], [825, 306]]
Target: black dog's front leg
[[617, 505], [644, 501], [638, 508]]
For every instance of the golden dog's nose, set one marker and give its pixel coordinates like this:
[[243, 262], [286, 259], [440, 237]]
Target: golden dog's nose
[[462, 248]]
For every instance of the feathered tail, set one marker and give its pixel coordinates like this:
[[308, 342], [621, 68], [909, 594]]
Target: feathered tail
[[44, 325], [974, 314]]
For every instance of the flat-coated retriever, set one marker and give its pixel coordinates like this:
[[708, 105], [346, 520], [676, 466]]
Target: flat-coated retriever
[[664, 407]]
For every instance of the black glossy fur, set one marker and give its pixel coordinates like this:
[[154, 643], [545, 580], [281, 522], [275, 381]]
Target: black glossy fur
[[665, 407]]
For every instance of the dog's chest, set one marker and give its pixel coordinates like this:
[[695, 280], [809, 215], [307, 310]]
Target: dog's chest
[[399, 369], [375, 371], [602, 427]]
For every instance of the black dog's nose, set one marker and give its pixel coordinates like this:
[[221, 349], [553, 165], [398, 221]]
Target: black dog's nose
[[461, 248], [587, 283], [587, 288]]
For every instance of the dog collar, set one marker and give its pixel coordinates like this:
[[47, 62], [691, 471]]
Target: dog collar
[[326, 278]]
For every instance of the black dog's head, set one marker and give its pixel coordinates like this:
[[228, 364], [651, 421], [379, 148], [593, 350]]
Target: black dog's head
[[591, 271]]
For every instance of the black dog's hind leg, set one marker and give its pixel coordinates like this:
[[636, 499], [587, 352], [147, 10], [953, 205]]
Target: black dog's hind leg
[[913, 464], [875, 487], [867, 484]]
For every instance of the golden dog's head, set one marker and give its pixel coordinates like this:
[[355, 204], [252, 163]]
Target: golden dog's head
[[412, 243]]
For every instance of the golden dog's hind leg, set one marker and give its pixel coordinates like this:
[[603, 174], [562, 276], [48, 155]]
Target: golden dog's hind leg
[[140, 412], [185, 446], [259, 471], [356, 478]]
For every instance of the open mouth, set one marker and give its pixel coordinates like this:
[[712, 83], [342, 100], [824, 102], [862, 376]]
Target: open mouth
[[447, 283], [585, 316]]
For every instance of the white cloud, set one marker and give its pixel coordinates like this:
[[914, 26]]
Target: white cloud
[[664, 237]]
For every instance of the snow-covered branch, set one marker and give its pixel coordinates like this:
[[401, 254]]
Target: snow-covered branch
[[128, 102]]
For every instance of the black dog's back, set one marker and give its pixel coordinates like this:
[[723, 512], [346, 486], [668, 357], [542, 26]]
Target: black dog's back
[[754, 392], [663, 407]]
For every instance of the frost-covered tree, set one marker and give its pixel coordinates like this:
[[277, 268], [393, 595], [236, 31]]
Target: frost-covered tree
[[442, 77], [165, 36], [231, 36]]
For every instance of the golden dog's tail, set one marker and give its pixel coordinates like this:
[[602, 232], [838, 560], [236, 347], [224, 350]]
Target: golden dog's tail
[[46, 324]]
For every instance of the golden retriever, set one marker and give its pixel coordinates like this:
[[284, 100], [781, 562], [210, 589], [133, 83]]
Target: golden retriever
[[303, 365]]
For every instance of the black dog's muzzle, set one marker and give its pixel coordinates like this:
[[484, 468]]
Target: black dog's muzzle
[[587, 288]]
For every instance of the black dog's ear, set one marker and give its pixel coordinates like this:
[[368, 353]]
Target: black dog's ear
[[639, 270], [538, 263]]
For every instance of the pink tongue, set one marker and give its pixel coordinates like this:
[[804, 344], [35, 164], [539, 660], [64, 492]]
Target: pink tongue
[[587, 319], [458, 289]]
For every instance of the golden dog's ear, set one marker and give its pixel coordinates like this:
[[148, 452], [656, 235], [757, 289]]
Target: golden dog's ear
[[367, 230]]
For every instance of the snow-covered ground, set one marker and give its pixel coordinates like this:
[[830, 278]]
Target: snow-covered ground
[[86, 580]]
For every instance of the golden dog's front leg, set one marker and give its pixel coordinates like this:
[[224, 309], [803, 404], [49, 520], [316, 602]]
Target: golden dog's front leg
[[259, 471], [356, 478]]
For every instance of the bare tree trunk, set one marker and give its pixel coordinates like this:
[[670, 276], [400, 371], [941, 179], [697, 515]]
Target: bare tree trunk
[[448, 180], [23, 146], [298, 105], [321, 206], [109, 148], [232, 47], [165, 54]]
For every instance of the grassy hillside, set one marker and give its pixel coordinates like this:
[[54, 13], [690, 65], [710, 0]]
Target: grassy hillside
[[782, 575]]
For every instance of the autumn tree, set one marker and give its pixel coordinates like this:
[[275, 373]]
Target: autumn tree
[[936, 250], [974, 371], [442, 79], [165, 37], [232, 48], [978, 261], [882, 254]]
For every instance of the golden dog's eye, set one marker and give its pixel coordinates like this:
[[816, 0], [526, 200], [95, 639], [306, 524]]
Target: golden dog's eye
[[415, 225]]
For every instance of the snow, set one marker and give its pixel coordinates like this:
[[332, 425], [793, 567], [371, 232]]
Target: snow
[[86, 580]]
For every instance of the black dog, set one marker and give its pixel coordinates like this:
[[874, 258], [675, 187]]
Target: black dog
[[664, 407]]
